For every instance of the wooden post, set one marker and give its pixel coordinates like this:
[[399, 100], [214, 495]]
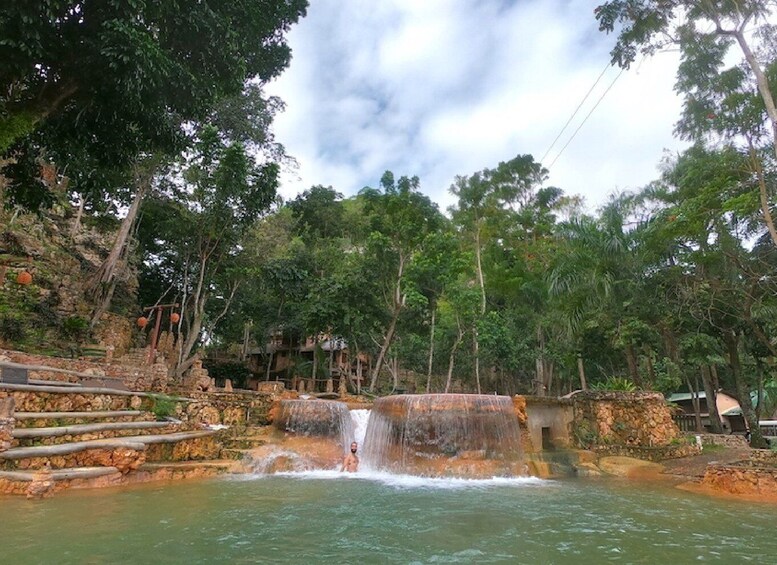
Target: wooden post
[[155, 334]]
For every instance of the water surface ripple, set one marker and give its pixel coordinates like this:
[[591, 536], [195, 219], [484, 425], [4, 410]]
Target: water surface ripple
[[324, 517]]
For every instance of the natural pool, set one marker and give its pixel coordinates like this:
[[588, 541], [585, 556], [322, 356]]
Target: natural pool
[[325, 517]]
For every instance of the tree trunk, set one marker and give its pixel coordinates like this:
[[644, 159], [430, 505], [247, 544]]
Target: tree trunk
[[650, 369], [695, 402], [314, 371], [384, 348], [358, 374], [452, 356], [631, 360], [431, 348], [760, 375], [581, 372], [104, 280], [476, 352], [763, 193], [77, 221], [763, 84], [714, 375], [731, 340], [712, 400], [269, 366], [482, 283], [539, 363], [398, 303]]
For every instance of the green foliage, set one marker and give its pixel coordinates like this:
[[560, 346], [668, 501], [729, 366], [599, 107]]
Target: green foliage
[[103, 89], [162, 406], [615, 384], [12, 328], [75, 328]]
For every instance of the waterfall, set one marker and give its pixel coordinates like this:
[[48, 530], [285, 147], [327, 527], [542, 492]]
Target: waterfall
[[317, 418], [444, 435], [360, 419]]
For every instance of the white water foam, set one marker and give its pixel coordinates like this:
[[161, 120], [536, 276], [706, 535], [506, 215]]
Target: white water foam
[[360, 418], [413, 481]]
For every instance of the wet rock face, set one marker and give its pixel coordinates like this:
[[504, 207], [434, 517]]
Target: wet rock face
[[315, 418], [445, 435]]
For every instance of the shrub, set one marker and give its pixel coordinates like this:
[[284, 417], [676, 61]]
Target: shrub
[[162, 406], [12, 328], [615, 383]]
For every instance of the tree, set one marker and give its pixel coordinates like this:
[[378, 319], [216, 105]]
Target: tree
[[486, 201], [122, 65], [195, 226], [400, 220], [705, 32]]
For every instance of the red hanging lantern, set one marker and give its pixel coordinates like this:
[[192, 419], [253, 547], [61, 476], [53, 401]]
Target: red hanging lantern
[[174, 317], [142, 322], [24, 278]]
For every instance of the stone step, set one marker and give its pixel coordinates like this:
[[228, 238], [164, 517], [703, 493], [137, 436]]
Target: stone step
[[235, 454], [48, 419], [31, 398], [175, 446], [183, 446], [244, 442], [223, 464], [84, 432], [61, 474]]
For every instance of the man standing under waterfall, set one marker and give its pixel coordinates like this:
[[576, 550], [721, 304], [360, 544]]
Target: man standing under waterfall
[[351, 462]]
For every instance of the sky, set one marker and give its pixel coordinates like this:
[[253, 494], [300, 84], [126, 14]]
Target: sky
[[440, 88]]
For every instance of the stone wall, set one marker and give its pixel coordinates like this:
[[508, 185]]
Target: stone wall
[[660, 453], [635, 419], [742, 479], [238, 408], [132, 375], [38, 401], [724, 440], [6, 423], [116, 332]]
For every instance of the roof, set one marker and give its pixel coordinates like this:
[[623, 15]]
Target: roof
[[682, 396]]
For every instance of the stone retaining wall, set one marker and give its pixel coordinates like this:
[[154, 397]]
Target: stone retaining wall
[[763, 457], [724, 440], [238, 408], [133, 376], [742, 479], [633, 419], [38, 401], [649, 453]]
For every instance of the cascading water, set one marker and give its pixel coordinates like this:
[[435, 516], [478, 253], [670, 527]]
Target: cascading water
[[360, 417], [444, 435], [316, 418]]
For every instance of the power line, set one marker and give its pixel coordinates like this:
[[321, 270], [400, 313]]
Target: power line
[[572, 117], [588, 115]]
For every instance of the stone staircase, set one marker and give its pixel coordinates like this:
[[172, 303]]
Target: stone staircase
[[78, 436], [238, 446]]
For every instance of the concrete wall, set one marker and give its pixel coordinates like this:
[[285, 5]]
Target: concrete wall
[[552, 413]]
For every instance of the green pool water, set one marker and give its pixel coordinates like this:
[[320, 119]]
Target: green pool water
[[325, 518]]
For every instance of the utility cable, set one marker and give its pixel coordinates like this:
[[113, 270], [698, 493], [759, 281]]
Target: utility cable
[[572, 117], [588, 115]]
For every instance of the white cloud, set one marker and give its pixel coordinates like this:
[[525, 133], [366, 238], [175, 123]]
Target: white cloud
[[439, 88]]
